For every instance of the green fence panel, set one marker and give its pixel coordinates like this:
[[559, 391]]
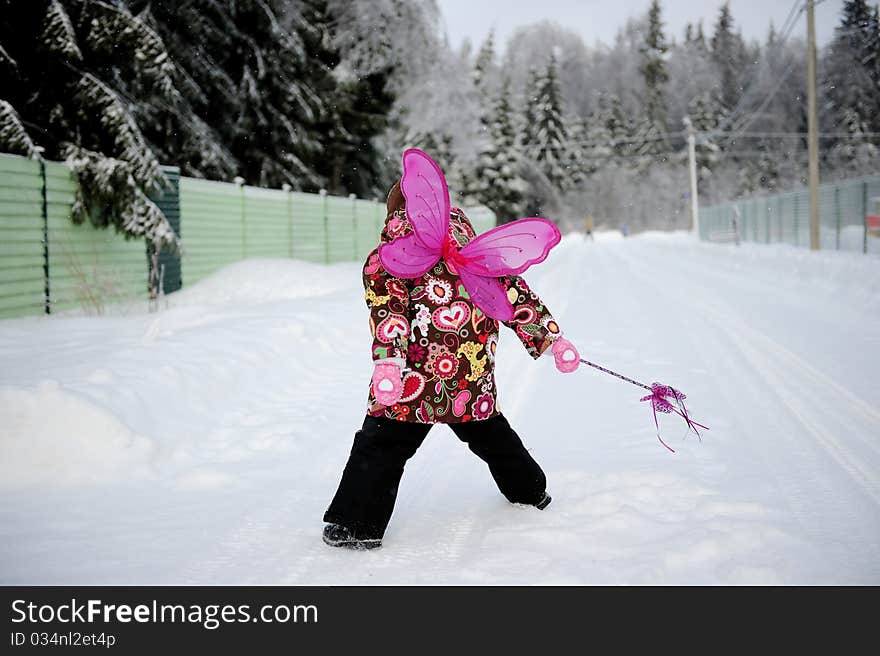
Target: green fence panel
[[785, 217], [213, 226], [340, 219], [89, 267], [482, 218], [308, 227], [21, 237], [267, 222], [367, 235]]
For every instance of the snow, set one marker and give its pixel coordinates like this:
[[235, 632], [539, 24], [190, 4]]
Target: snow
[[201, 444]]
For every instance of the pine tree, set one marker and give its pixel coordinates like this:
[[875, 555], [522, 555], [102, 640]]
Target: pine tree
[[577, 155], [248, 81], [71, 74], [728, 53], [619, 129], [760, 174], [354, 108], [498, 183], [704, 113], [700, 38], [484, 66], [852, 87], [653, 69], [599, 151], [482, 80], [547, 136], [530, 114]]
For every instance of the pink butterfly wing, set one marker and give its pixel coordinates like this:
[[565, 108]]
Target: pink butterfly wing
[[488, 294], [407, 256], [510, 248], [427, 198]]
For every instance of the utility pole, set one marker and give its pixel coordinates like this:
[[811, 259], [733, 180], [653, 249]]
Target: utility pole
[[813, 131], [692, 164]]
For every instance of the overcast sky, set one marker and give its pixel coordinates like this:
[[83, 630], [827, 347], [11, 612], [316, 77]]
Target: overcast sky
[[598, 20]]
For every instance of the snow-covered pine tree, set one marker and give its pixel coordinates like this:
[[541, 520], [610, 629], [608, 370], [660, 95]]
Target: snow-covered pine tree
[[729, 55], [651, 134], [578, 155], [243, 75], [852, 88], [13, 136], [700, 38], [498, 182], [599, 151], [530, 114], [439, 146], [758, 173], [354, 105], [483, 82], [619, 129], [704, 112], [547, 139], [689, 33], [76, 103], [485, 68]]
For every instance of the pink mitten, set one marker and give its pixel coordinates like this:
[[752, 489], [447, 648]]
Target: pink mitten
[[566, 355], [387, 383]]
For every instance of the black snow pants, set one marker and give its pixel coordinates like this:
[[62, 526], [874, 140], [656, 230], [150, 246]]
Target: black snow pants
[[365, 498]]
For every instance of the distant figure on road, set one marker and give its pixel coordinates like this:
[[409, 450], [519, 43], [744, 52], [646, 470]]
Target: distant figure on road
[[588, 226], [624, 230]]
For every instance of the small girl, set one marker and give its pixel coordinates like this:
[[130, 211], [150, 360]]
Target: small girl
[[434, 359]]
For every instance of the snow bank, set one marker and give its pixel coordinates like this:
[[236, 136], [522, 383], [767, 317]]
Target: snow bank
[[848, 277], [251, 282], [50, 435], [95, 399]]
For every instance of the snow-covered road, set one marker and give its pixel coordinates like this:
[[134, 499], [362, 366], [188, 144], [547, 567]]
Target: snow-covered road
[[202, 444]]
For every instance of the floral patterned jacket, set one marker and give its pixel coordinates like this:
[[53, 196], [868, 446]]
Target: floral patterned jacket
[[444, 344]]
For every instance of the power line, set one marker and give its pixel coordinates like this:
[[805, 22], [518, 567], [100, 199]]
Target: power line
[[741, 135], [746, 97], [782, 78]]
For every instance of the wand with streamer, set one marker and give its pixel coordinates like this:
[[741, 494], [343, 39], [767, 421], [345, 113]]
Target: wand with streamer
[[663, 398]]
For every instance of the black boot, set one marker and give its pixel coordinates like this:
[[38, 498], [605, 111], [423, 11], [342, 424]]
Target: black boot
[[340, 536], [543, 503]]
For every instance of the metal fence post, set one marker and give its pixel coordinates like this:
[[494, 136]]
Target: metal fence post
[[755, 215], [354, 232], [44, 210], [323, 193], [837, 216], [286, 188], [865, 217], [240, 182], [779, 218]]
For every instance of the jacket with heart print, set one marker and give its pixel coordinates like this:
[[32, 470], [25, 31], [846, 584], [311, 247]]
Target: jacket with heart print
[[444, 344]]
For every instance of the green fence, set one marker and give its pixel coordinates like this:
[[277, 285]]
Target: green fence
[[844, 208], [47, 263], [21, 237]]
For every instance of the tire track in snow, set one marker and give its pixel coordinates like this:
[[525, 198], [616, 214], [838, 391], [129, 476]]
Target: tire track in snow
[[761, 350], [834, 518]]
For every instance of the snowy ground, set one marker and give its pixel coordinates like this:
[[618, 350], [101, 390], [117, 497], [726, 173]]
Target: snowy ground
[[202, 444]]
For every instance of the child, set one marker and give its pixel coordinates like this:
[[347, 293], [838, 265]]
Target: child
[[434, 358]]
